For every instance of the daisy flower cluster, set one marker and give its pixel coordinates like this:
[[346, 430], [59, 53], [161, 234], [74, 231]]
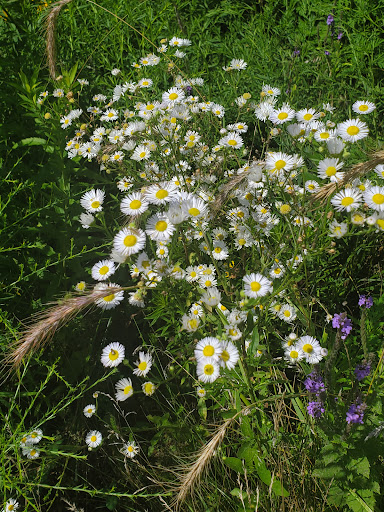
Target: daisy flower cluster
[[28, 443], [218, 232]]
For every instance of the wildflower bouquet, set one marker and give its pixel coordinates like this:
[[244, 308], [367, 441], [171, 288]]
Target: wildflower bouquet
[[227, 225]]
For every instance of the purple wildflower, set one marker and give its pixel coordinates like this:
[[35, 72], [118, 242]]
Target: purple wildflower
[[296, 53], [314, 383], [340, 321], [315, 409], [362, 371], [365, 302], [339, 35], [188, 90], [330, 19], [326, 52], [355, 413]]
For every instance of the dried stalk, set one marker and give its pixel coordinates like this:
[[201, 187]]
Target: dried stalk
[[357, 171], [193, 473], [50, 35], [46, 323]]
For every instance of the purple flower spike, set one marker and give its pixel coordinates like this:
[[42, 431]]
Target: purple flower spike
[[339, 35], [362, 371], [355, 413], [314, 383], [365, 302], [330, 19], [315, 409], [340, 321]]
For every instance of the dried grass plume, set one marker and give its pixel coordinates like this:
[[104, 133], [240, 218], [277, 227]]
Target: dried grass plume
[[50, 26], [43, 327], [357, 171]]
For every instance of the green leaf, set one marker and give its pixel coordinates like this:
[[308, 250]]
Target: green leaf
[[234, 463], [361, 466], [332, 471], [279, 489], [263, 472], [247, 452], [202, 408], [357, 500]]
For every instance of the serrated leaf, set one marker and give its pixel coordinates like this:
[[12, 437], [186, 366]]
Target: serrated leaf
[[361, 466]]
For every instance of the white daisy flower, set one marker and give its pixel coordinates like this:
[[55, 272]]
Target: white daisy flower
[[280, 115], [363, 107], [109, 115], [233, 332], [173, 96], [11, 505], [287, 313], [200, 392], [148, 388], [307, 115], [337, 229], [129, 241], [93, 200], [161, 193], [329, 168], [35, 436], [379, 170], [190, 322], [220, 250], [229, 355], [124, 389], [194, 207], [238, 64], [93, 438], [103, 270], [112, 299], [144, 364], [374, 197], [278, 162], [89, 410], [208, 347], [311, 348], [208, 370], [311, 186], [196, 310], [358, 218], [112, 355], [130, 450], [256, 285], [159, 228], [134, 204], [352, 130], [86, 219], [347, 200], [293, 354], [30, 452], [144, 83], [141, 153], [211, 297], [335, 146], [231, 140]]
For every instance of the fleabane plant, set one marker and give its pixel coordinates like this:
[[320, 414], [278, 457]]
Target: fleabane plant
[[227, 232]]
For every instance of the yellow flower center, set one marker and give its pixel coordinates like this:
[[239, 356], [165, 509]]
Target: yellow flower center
[[135, 204], [148, 387], [209, 369], [142, 366], [285, 208], [241, 241], [127, 390], [130, 240], [208, 351], [109, 298], [294, 354], [255, 286], [142, 154], [93, 438], [380, 223], [194, 212], [162, 194], [232, 142], [173, 96], [324, 135], [282, 115], [145, 82], [280, 164], [308, 348], [33, 453], [103, 270], [89, 411], [353, 130], [130, 449], [246, 95], [378, 198], [95, 204], [330, 171], [363, 108], [113, 355], [161, 225], [347, 201], [307, 117], [287, 313], [232, 332], [225, 356]]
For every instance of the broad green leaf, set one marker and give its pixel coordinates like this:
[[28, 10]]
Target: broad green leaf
[[234, 463]]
